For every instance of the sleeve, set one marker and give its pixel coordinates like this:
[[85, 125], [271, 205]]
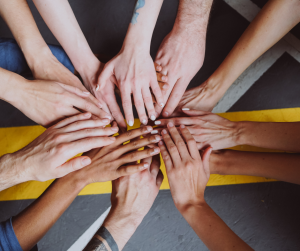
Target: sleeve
[[8, 239]]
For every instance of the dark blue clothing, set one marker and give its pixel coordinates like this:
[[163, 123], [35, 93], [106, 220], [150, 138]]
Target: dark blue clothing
[[8, 239], [12, 58]]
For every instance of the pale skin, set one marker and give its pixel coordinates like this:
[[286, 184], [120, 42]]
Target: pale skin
[[263, 32], [70, 36], [131, 199], [41, 61], [108, 163], [188, 175], [181, 53], [46, 157]]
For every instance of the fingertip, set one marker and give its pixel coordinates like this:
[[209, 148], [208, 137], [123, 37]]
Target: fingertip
[[87, 115], [86, 161]]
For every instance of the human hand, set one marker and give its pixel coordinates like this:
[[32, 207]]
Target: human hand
[[47, 102], [133, 71], [45, 66], [208, 129], [180, 56], [46, 157], [116, 160], [132, 197], [187, 172]]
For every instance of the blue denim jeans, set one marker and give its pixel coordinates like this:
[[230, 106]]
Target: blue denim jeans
[[12, 58]]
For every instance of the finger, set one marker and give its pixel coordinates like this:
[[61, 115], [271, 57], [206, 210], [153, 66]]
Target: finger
[[137, 155], [126, 102], [205, 160], [166, 156], [137, 144], [85, 124], [105, 75], [86, 105], [131, 169], [157, 93], [149, 103], [67, 121], [192, 112], [176, 94], [177, 121], [161, 77], [157, 67], [139, 105], [81, 93], [190, 141], [172, 149], [160, 178], [177, 139], [116, 112], [163, 86], [72, 165], [71, 149], [155, 165], [91, 132]]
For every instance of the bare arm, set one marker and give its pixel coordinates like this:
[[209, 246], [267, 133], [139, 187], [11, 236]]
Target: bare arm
[[275, 20]]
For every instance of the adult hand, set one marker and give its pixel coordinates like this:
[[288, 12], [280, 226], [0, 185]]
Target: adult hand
[[134, 73], [116, 160], [131, 199], [187, 172], [46, 157], [181, 56], [208, 129], [47, 102]]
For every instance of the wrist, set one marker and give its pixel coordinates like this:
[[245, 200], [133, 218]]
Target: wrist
[[140, 42], [243, 129], [187, 208]]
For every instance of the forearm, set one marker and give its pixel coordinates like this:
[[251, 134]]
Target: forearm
[[278, 135], [18, 17], [279, 166], [34, 222], [62, 22], [210, 228], [142, 24], [275, 20]]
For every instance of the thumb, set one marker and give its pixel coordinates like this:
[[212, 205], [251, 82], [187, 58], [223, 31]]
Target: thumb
[[73, 165], [192, 112], [105, 76], [205, 160]]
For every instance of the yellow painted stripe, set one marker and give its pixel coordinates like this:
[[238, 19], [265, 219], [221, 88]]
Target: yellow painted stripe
[[13, 139]]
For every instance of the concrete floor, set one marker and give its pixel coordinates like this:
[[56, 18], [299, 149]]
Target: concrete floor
[[265, 215]]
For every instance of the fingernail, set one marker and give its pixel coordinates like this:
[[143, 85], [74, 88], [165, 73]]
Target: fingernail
[[105, 121], [86, 161], [157, 122], [158, 68], [115, 129], [166, 114], [157, 138], [86, 93], [156, 150], [210, 150], [152, 117], [170, 124], [146, 165], [144, 121], [130, 123], [185, 109], [97, 87], [160, 143], [112, 138], [154, 132], [164, 131], [163, 78], [87, 115], [100, 105], [149, 128], [165, 87], [162, 104], [182, 126]]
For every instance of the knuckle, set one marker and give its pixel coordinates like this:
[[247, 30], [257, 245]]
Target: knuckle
[[180, 143], [88, 106], [148, 99], [126, 103], [139, 103], [172, 148], [190, 140], [129, 133], [61, 148]]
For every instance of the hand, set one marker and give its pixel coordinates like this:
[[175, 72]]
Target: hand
[[181, 56], [188, 174], [45, 66], [134, 72], [208, 129], [46, 157], [47, 102], [132, 197], [116, 160]]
